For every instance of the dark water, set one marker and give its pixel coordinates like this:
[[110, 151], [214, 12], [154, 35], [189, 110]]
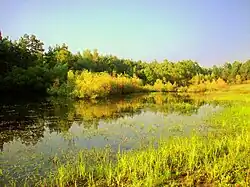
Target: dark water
[[32, 133]]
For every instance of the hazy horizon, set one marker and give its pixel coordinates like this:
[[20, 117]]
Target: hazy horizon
[[209, 32]]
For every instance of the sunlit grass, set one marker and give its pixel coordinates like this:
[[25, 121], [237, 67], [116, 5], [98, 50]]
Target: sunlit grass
[[194, 161], [240, 87], [220, 158]]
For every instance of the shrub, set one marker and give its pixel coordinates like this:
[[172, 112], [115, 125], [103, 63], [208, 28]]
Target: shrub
[[208, 86], [159, 86], [170, 87], [238, 79], [93, 85], [183, 89]]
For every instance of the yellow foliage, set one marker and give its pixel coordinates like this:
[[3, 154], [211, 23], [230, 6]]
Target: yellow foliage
[[71, 75], [96, 85], [93, 85], [90, 111], [221, 83], [170, 87], [238, 79], [202, 87], [208, 86], [158, 85], [62, 55], [182, 89]]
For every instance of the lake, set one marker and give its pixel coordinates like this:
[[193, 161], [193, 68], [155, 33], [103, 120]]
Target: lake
[[36, 133]]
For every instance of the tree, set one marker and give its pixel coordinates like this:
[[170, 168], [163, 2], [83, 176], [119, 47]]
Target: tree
[[216, 72], [62, 54], [235, 71], [245, 70], [226, 72], [33, 45]]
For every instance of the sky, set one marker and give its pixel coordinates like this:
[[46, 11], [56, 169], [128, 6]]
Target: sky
[[210, 32]]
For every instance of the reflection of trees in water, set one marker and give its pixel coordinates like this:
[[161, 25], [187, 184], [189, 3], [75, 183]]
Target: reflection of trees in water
[[59, 125], [27, 123], [106, 110], [93, 123], [23, 122], [92, 113], [26, 130], [168, 103]]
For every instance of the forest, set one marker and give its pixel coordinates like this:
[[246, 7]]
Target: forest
[[26, 68]]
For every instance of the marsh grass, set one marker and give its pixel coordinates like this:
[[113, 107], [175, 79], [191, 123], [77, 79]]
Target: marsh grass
[[219, 158], [195, 161]]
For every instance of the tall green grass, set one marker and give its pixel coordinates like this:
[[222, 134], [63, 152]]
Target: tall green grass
[[220, 158], [194, 161]]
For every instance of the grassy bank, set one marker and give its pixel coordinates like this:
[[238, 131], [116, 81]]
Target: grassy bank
[[243, 88], [219, 159]]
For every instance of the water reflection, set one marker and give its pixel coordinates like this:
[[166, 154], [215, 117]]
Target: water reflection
[[29, 122], [33, 132]]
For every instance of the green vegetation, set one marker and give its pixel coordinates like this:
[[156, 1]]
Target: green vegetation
[[220, 158], [92, 85], [25, 67]]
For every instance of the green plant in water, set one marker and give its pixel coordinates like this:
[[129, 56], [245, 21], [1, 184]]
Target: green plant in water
[[220, 158], [217, 159]]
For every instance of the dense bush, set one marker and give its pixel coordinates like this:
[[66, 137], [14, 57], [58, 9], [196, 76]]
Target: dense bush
[[208, 86], [93, 85]]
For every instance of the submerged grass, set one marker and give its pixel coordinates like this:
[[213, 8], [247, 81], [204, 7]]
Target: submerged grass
[[181, 161], [220, 158]]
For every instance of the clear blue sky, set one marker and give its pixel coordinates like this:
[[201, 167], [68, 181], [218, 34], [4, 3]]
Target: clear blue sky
[[208, 31]]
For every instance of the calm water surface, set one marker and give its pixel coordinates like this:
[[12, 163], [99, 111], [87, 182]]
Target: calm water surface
[[34, 132]]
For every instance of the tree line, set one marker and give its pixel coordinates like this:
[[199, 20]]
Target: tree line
[[25, 67]]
